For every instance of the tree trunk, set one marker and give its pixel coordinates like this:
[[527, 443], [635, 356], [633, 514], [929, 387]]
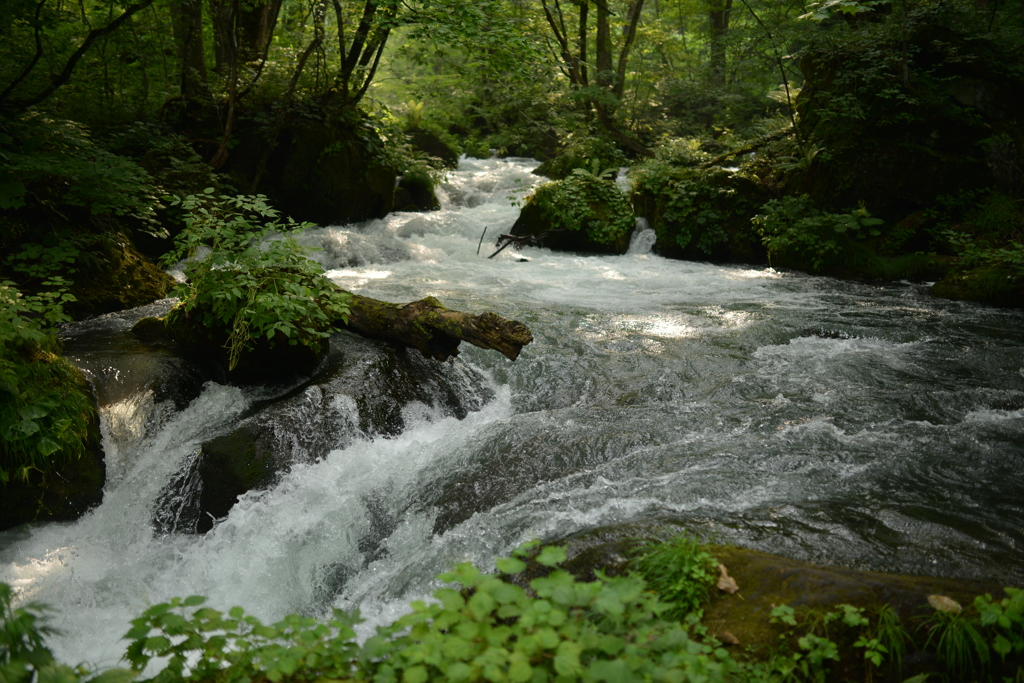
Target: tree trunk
[[718, 16], [434, 330], [188, 36]]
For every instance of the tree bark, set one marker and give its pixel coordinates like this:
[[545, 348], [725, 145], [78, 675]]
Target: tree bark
[[434, 330], [718, 17], [188, 35]]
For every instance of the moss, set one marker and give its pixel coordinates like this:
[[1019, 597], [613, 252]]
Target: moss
[[114, 276], [987, 285]]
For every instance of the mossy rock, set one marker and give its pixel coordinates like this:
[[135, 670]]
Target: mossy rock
[[742, 620], [993, 286], [366, 390], [113, 276], [415, 192], [68, 489], [324, 170], [432, 144], [595, 218], [704, 215], [273, 361]]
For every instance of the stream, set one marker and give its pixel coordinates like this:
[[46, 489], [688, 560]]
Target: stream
[[864, 425]]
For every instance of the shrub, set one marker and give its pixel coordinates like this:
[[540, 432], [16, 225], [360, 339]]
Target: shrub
[[246, 284], [586, 201], [795, 231]]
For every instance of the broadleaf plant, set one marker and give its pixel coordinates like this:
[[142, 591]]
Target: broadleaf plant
[[247, 275]]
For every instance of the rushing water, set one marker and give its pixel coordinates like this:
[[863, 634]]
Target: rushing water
[[864, 425]]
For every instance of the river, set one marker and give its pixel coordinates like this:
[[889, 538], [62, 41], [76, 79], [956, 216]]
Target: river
[[864, 425]]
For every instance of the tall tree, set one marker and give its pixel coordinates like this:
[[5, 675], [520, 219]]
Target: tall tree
[[719, 14]]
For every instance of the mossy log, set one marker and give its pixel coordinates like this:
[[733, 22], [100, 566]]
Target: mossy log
[[434, 330]]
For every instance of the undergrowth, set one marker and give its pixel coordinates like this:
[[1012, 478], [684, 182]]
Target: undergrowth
[[482, 627]]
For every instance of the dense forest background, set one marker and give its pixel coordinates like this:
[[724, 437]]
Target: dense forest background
[[862, 138]]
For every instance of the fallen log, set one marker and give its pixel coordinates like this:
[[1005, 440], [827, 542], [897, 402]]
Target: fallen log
[[425, 325], [433, 330]]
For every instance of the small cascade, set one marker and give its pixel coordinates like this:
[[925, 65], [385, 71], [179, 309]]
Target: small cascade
[[623, 181], [643, 239]]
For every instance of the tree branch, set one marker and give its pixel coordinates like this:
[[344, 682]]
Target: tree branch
[[69, 67]]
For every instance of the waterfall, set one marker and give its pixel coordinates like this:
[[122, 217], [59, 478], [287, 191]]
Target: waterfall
[[643, 238]]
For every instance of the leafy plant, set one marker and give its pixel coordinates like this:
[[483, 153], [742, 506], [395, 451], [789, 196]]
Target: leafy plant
[[247, 278], [680, 571], [45, 412], [958, 643], [793, 229], [586, 201]]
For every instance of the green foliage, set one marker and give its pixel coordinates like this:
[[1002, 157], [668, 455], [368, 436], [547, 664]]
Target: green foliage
[[24, 656], [692, 207], [481, 629], [1004, 621], [45, 412], [588, 201], [204, 644], [680, 571], [795, 231], [55, 162], [587, 152], [246, 278]]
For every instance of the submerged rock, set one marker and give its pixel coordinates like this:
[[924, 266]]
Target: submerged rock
[[369, 389]]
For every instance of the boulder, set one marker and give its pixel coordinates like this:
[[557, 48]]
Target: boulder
[[582, 213], [366, 390], [325, 170], [703, 214]]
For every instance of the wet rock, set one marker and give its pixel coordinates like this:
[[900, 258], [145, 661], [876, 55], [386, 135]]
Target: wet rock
[[263, 363], [321, 170], [369, 389], [115, 276]]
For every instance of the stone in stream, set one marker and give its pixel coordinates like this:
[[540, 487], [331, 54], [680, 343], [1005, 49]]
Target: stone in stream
[[367, 390]]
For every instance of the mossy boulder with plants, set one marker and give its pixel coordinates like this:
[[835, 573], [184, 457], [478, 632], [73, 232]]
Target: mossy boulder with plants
[[986, 234], [416, 189], [257, 307], [700, 214], [584, 212], [852, 243], [322, 169], [51, 460]]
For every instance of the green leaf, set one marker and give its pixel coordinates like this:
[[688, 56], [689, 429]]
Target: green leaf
[[510, 565], [551, 555], [47, 446], [193, 600], [157, 644], [416, 674], [567, 659]]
